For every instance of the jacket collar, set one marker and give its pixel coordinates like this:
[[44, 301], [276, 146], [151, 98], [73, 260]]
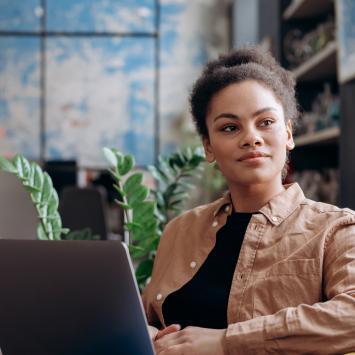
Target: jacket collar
[[276, 210]]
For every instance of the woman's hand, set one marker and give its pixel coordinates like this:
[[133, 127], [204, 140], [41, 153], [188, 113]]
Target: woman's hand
[[156, 334], [192, 340], [152, 332]]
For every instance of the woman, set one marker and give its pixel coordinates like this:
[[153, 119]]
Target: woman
[[263, 269]]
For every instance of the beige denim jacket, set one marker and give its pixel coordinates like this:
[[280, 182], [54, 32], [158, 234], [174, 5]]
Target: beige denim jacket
[[293, 289]]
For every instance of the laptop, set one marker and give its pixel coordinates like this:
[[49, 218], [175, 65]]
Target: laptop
[[70, 297]]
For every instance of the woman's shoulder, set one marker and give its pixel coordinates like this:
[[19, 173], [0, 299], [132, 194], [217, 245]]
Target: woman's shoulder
[[323, 207], [330, 211]]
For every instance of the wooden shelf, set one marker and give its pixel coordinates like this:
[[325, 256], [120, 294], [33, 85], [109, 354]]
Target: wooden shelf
[[324, 136], [301, 9], [321, 66]]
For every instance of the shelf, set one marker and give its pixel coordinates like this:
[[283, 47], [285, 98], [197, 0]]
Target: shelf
[[302, 9], [321, 66], [324, 136]]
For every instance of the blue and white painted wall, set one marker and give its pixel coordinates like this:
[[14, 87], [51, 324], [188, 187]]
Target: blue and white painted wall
[[99, 74]]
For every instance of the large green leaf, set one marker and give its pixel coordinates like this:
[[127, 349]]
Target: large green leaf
[[143, 211], [53, 203], [158, 174], [127, 165], [110, 156], [136, 251], [144, 270], [132, 183], [23, 167], [47, 188], [41, 234], [138, 196]]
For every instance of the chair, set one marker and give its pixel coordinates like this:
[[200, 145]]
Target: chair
[[62, 172], [84, 208]]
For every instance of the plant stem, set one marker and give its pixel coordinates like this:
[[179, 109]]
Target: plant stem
[[126, 214]]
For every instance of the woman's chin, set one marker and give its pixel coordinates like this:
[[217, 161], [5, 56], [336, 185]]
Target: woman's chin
[[254, 178]]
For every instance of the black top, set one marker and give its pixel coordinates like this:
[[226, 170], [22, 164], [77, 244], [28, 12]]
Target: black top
[[203, 301]]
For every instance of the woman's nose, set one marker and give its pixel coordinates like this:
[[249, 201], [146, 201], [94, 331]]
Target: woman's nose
[[251, 139]]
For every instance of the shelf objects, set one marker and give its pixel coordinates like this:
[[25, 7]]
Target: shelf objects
[[319, 185], [323, 136], [321, 65], [302, 9]]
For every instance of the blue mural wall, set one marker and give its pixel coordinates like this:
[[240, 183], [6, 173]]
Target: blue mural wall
[[98, 68]]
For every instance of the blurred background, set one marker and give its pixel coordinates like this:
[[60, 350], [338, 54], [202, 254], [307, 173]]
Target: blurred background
[[78, 75]]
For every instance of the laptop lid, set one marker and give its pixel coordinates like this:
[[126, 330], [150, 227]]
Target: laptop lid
[[70, 297]]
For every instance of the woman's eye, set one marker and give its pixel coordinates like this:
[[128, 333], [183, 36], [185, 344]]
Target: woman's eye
[[267, 122], [229, 128]]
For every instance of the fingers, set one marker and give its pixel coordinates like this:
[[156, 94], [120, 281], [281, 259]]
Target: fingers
[[168, 330], [169, 341], [152, 332]]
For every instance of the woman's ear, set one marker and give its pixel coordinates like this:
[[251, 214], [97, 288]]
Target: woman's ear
[[208, 150], [290, 144]]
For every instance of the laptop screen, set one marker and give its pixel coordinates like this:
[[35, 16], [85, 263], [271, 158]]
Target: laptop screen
[[69, 297]]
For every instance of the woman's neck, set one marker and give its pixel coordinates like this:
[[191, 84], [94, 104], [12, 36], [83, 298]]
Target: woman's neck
[[253, 197]]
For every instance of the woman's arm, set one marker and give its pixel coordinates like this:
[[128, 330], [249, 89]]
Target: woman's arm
[[325, 327]]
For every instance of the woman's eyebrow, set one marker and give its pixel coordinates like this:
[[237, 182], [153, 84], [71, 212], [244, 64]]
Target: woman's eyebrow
[[265, 109], [236, 117], [227, 115]]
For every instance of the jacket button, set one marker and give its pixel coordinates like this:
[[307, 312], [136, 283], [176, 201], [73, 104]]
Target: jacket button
[[193, 264], [159, 296], [274, 218]]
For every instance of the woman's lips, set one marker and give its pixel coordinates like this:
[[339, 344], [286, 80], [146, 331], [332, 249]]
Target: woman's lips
[[253, 156]]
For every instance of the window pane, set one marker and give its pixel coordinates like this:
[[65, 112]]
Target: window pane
[[19, 96], [20, 15], [101, 16], [100, 92]]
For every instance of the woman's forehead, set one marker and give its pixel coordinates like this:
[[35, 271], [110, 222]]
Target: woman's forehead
[[245, 97]]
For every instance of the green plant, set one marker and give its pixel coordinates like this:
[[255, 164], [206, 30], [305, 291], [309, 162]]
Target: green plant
[[43, 195], [139, 211], [145, 218], [175, 174], [145, 214]]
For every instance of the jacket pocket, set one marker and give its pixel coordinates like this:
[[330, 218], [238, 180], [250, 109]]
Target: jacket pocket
[[286, 284]]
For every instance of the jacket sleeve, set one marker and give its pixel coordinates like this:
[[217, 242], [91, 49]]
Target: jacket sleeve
[[322, 328]]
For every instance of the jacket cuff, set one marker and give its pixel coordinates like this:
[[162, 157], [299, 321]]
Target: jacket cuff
[[245, 337], [258, 335]]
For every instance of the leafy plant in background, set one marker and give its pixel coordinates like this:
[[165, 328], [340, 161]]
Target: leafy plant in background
[[145, 218], [174, 175], [145, 214], [43, 195], [140, 220]]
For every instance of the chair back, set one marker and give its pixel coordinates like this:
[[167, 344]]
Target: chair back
[[84, 208]]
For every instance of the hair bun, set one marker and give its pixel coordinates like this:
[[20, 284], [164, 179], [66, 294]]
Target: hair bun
[[247, 55]]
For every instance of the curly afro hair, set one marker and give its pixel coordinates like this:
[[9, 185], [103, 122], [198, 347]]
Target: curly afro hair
[[247, 63]]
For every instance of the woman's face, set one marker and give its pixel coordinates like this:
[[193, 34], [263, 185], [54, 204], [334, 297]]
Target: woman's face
[[248, 136]]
